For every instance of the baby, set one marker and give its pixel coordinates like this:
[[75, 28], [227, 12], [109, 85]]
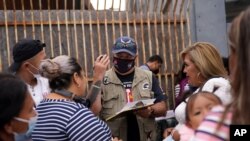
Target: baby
[[198, 106]]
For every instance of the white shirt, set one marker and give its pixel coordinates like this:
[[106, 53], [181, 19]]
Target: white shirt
[[40, 90]]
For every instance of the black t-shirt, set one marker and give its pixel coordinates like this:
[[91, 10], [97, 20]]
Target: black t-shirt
[[158, 92], [133, 133]]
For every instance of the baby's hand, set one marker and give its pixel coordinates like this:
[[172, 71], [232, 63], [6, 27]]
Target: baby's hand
[[167, 132]]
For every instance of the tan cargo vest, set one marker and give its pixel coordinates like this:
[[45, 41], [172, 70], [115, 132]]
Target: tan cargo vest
[[114, 98]]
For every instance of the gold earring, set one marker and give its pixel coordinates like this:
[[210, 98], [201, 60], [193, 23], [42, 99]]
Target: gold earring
[[78, 85], [198, 74]]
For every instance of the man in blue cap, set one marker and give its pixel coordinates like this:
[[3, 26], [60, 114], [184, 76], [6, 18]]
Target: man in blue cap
[[125, 83]]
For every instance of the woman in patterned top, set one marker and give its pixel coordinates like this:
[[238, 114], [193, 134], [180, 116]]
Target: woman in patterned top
[[63, 114], [215, 127]]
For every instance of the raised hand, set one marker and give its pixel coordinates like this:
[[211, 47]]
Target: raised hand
[[100, 66]]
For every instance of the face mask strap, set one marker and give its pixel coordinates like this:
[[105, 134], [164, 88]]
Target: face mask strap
[[22, 120], [36, 75], [31, 124], [34, 67]]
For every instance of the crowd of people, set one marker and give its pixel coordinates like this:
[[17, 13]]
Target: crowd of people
[[46, 99]]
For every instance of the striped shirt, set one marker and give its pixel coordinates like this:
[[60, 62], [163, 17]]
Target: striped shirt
[[207, 131], [66, 120]]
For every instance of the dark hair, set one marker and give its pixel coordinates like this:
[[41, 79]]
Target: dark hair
[[59, 71], [180, 74], [13, 92], [155, 58], [226, 64]]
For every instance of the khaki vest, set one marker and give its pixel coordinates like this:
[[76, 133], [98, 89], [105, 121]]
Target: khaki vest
[[114, 98]]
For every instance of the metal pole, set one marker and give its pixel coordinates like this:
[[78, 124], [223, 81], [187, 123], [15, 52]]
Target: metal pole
[[32, 19], [75, 31], [58, 28], [67, 27], [41, 20], [24, 24], [50, 31]]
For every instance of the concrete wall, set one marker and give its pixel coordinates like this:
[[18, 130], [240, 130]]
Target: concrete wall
[[208, 23]]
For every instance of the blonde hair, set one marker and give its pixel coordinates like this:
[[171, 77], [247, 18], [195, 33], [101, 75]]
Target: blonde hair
[[206, 58]]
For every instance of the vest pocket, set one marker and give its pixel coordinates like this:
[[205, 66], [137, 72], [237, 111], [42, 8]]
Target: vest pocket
[[107, 97], [108, 106]]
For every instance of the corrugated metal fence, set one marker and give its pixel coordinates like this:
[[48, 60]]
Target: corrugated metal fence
[[87, 28]]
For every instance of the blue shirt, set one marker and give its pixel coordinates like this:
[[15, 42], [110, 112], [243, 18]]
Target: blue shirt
[[67, 120]]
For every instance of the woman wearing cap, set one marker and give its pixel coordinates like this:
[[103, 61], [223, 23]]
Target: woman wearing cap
[[16, 107]]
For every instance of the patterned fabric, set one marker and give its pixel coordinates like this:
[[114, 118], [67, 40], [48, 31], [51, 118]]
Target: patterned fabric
[[186, 133], [208, 131], [65, 120]]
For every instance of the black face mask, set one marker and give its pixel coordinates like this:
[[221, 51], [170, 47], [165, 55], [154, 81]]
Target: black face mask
[[156, 71], [123, 65]]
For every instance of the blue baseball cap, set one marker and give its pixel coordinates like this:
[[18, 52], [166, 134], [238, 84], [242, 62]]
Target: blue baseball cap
[[125, 44]]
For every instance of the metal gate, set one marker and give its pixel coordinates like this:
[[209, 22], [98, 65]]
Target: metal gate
[[85, 29]]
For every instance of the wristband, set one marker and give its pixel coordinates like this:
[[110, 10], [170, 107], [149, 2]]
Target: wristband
[[94, 92]]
